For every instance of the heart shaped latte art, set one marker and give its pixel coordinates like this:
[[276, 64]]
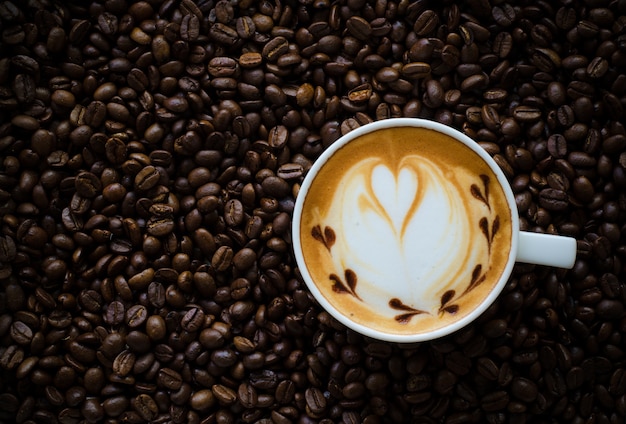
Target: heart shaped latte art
[[399, 229], [394, 194]]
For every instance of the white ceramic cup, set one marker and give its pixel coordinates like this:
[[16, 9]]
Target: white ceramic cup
[[526, 247]]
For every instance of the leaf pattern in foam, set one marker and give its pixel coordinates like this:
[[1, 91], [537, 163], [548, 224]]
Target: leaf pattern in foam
[[378, 243]]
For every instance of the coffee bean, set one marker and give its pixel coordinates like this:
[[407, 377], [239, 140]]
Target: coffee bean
[[557, 146], [25, 89], [138, 342], [145, 406], [25, 122], [275, 186], [114, 313], [123, 363], [222, 258], [224, 394], [169, 379], [247, 395], [91, 300], [136, 316], [315, 400], [192, 320], [21, 333], [88, 185], [156, 294], [147, 178], [115, 406], [426, 22], [7, 249], [526, 114], [565, 18], [108, 23], [524, 389], [490, 117], [190, 28], [610, 309], [278, 137], [202, 400], [11, 357], [494, 401], [285, 391], [487, 368], [290, 171], [474, 82], [158, 226], [276, 47], [597, 67], [553, 199]]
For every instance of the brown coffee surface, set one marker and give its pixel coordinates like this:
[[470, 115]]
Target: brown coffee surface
[[405, 230]]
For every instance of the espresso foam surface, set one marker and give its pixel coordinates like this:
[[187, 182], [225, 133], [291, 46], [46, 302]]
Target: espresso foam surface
[[400, 224], [405, 224]]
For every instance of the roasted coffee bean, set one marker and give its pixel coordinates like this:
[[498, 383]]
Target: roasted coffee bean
[[147, 178], [136, 316], [247, 395], [192, 320], [222, 258], [63, 98], [190, 28], [315, 400], [87, 184], [610, 309], [224, 394], [7, 249], [115, 406], [526, 113], [155, 327], [156, 294], [275, 48], [494, 401], [11, 357], [416, 70], [21, 333], [145, 406], [114, 313], [224, 34], [474, 82], [426, 22], [553, 199], [123, 363], [504, 16], [524, 389], [24, 88], [169, 379], [91, 300], [202, 400], [138, 342], [557, 146]]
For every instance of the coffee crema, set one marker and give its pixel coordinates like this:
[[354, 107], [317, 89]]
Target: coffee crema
[[405, 230]]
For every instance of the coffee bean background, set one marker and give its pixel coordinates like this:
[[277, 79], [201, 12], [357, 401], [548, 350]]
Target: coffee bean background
[[151, 154]]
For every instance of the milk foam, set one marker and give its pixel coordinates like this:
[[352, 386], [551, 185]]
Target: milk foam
[[403, 230], [399, 230]]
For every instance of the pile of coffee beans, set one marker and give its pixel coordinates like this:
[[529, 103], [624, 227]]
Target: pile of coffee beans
[[151, 152]]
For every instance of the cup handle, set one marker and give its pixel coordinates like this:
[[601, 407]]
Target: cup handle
[[546, 249]]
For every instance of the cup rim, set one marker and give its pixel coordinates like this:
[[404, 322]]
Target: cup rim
[[341, 316]]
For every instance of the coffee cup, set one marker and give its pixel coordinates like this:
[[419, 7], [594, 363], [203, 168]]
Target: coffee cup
[[406, 230]]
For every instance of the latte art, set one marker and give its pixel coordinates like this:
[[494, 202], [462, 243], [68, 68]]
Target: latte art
[[389, 214], [401, 224]]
